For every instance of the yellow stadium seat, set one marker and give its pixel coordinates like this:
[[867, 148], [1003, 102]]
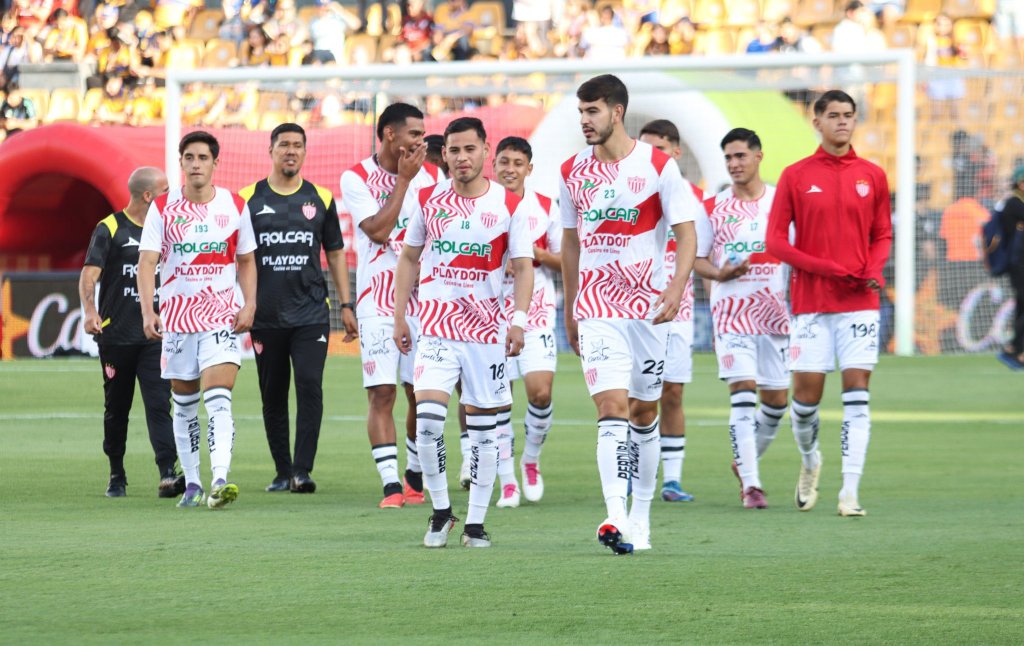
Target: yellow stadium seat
[[361, 49], [672, 10], [815, 12], [823, 34], [709, 13], [206, 24], [902, 36], [875, 138], [183, 56], [969, 8], [715, 41], [374, 20], [774, 11], [93, 99], [64, 104], [272, 102], [309, 13], [488, 14], [219, 53], [394, 20], [384, 44], [39, 98], [272, 119], [742, 13]]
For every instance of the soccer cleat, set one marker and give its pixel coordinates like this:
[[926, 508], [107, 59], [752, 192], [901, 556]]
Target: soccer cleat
[[807, 486], [610, 534], [440, 524], [848, 506], [279, 484], [171, 486], [412, 497], [221, 494], [475, 536], [465, 477], [509, 496], [392, 501], [640, 532], [193, 496], [302, 483], [116, 486], [753, 498], [533, 482], [672, 492]]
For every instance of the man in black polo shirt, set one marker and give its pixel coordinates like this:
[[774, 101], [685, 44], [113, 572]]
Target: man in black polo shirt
[[292, 220], [125, 352]]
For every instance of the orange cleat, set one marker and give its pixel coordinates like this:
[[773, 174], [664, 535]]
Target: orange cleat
[[394, 501]]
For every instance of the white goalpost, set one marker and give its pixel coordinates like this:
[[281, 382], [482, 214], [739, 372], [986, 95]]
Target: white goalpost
[[704, 96]]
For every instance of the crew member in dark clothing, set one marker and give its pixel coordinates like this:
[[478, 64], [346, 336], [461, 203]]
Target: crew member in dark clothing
[[1013, 226]]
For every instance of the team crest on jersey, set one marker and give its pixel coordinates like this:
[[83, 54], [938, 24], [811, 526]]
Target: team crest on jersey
[[794, 352], [417, 373], [222, 220], [489, 219], [309, 210], [863, 188], [369, 367], [728, 361], [109, 371], [257, 346], [533, 222], [636, 184], [591, 376]]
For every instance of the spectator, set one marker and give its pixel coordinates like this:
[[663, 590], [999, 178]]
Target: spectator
[[417, 29], [683, 38], [17, 112], [67, 40], [456, 29], [658, 44], [143, 108], [232, 107], [285, 27], [793, 39], [941, 50], [329, 29], [1013, 225], [765, 38], [169, 14], [1009, 22], [103, 20], [569, 29], [961, 232], [33, 13], [111, 110], [257, 50], [533, 19], [121, 58], [12, 55], [607, 41], [233, 26]]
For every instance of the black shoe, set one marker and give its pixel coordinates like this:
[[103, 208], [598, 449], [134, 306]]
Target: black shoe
[[116, 486], [302, 483], [279, 484], [415, 480], [171, 485]]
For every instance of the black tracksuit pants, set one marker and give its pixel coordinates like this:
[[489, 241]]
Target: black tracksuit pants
[[122, 365], [279, 350]]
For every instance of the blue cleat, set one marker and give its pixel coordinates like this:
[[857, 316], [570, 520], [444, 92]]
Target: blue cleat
[[194, 496], [672, 492]]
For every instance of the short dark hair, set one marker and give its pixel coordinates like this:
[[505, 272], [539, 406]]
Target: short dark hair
[[434, 143], [517, 144], [853, 5], [200, 137], [60, 13], [606, 87], [394, 115], [286, 127], [465, 124], [661, 128], [832, 96], [745, 135]]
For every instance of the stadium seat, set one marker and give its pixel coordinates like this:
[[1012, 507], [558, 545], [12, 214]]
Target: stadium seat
[[272, 102], [206, 24], [374, 20], [39, 98], [270, 120], [64, 104], [384, 44], [308, 13], [823, 34], [93, 99], [394, 19], [184, 56], [815, 12], [219, 53], [672, 10], [713, 42], [709, 13], [488, 14], [902, 36], [972, 36], [774, 11], [919, 11], [969, 8], [360, 50], [742, 13], [874, 138]]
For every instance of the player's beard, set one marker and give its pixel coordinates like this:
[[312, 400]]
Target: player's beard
[[290, 172]]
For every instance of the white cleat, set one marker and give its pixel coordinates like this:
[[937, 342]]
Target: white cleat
[[848, 506], [807, 486], [533, 482], [640, 532], [476, 539], [438, 528], [613, 534], [465, 477], [509, 496]]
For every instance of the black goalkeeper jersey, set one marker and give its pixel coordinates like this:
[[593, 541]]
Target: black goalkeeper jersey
[[290, 230], [114, 248]]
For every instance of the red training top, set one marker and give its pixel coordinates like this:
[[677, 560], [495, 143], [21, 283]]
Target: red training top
[[840, 210]]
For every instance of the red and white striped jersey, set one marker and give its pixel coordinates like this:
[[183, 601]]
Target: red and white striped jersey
[[198, 244], [466, 244], [622, 211], [547, 234], [733, 230], [364, 189], [685, 313]]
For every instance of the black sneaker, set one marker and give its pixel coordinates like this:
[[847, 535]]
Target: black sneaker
[[302, 483], [117, 485], [440, 523], [171, 485], [475, 536], [279, 484]]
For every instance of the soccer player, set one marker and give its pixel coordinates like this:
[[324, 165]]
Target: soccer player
[[663, 135], [838, 206], [435, 151], [198, 234], [293, 219], [748, 308], [618, 198], [373, 191], [535, 365], [463, 232], [125, 352]]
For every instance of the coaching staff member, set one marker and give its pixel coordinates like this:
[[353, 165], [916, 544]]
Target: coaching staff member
[[125, 352], [292, 219]]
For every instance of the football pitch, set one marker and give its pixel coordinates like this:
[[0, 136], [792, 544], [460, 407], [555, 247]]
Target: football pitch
[[936, 561]]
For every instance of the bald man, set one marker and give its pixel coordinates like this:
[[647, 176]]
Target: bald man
[[126, 355]]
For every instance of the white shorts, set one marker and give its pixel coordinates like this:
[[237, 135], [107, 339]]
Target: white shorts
[[679, 353], [538, 355], [623, 354], [185, 355], [441, 363], [817, 341], [380, 356], [758, 357]]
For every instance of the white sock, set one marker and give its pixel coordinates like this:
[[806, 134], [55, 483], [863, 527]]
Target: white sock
[[464, 446], [613, 464], [483, 464], [538, 423], [766, 426], [386, 457], [856, 432], [673, 452], [412, 458], [186, 434], [430, 416], [220, 430], [804, 418], [741, 433], [506, 448], [645, 454]]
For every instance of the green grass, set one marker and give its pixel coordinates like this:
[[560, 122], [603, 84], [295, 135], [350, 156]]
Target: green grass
[[936, 561]]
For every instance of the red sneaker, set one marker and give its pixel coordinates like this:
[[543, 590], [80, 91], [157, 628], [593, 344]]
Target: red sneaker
[[413, 497], [753, 498], [394, 501]]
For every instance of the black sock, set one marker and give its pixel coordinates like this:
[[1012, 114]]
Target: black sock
[[415, 480]]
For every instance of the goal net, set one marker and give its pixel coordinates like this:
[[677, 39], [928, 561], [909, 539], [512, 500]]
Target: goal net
[[937, 300]]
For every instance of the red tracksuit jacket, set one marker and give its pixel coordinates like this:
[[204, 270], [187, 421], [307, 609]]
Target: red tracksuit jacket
[[840, 210]]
